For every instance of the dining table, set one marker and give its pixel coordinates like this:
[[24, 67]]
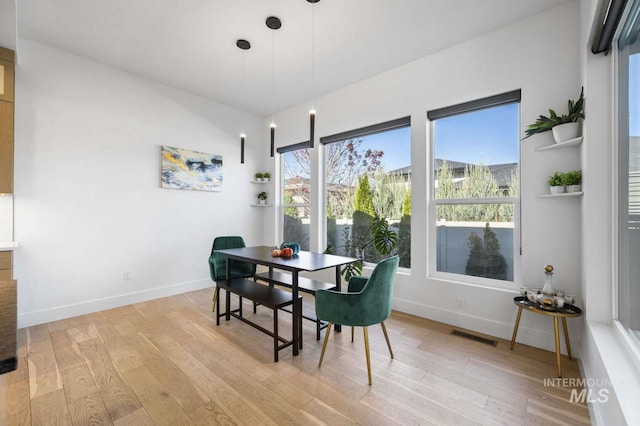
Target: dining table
[[303, 261]]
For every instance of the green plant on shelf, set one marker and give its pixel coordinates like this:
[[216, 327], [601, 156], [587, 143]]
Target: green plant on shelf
[[556, 180], [544, 123], [572, 178]]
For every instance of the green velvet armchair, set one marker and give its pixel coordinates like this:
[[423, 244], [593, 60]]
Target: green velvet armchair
[[367, 302], [218, 262]]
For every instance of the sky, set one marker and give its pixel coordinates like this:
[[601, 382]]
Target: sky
[[634, 95], [488, 136]]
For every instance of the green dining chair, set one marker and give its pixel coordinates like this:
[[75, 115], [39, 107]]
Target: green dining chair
[[367, 302], [218, 262]]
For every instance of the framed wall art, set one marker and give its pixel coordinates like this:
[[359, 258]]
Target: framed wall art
[[186, 169]]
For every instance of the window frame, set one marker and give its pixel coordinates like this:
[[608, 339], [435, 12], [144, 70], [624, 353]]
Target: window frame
[[398, 123], [433, 202], [282, 205], [630, 337]]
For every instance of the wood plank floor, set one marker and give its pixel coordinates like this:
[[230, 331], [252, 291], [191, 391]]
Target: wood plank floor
[[165, 362]]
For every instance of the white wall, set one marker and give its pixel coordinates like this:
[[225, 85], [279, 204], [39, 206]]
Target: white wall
[[88, 202], [538, 55]]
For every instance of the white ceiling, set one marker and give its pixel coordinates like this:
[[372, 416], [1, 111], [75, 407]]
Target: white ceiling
[[190, 44]]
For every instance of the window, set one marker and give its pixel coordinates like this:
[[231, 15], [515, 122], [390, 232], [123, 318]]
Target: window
[[474, 184], [368, 174], [628, 182], [296, 191]]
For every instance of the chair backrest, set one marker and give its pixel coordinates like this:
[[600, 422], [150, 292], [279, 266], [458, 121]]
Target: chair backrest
[[378, 291], [217, 261]]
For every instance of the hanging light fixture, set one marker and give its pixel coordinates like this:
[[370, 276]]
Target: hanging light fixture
[[242, 45], [273, 23], [312, 111]]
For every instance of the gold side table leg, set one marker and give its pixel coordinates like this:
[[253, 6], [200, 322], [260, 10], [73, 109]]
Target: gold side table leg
[[515, 327], [566, 336], [557, 332]]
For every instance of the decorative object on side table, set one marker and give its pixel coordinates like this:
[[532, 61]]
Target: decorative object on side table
[[547, 290], [565, 127]]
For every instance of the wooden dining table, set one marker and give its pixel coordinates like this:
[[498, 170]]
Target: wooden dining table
[[301, 262]]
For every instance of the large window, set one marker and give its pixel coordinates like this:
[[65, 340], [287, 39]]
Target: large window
[[296, 189], [368, 175], [475, 188], [629, 174]]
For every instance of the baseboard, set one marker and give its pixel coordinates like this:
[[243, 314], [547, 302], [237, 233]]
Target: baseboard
[[28, 319], [541, 339]]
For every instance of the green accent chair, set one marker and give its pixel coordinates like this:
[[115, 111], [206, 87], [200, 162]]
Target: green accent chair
[[218, 263], [367, 302]]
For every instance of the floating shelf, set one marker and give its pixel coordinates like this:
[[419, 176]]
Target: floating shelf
[[261, 205], [567, 144], [262, 181], [564, 194]]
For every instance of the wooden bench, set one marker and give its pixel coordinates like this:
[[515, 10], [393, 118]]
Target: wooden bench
[[306, 285], [270, 297]]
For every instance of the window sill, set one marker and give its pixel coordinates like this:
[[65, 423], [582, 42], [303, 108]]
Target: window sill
[[622, 364]]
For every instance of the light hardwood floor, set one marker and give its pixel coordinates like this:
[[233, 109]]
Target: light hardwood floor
[[165, 362]]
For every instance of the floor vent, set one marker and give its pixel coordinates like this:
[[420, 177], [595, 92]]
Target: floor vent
[[474, 338]]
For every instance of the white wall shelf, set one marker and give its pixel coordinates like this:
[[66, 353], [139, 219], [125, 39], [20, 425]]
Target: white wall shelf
[[261, 205], [561, 145], [564, 194], [262, 181]]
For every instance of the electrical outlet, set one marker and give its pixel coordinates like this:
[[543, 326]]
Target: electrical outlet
[[126, 276], [459, 303]]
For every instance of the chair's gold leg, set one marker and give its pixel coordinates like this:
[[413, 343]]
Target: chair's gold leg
[[215, 298], [324, 345], [386, 336], [366, 349], [352, 327]]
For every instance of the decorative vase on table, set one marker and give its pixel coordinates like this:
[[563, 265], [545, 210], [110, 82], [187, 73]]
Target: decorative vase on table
[[547, 290]]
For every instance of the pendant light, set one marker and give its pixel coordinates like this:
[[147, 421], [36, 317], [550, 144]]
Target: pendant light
[[243, 45], [273, 23], [312, 112]]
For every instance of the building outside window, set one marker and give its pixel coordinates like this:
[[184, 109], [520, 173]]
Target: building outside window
[[474, 206], [296, 191], [368, 174], [628, 168]]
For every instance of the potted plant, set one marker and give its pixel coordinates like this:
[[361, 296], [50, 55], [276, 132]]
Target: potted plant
[[259, 177], [266, 176], [565, 127], [262, 198], [383, 239], [573, 180], [556, 183]]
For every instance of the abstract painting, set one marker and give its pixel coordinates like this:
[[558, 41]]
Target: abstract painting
[[186, 169]]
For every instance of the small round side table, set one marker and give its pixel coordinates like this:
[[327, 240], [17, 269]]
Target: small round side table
[[567, 311]]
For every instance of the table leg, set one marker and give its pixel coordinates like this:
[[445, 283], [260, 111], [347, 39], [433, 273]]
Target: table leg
[[228, 293], [557, 333], [515, 327], [338, 327], [297, 313], [566, 336]]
